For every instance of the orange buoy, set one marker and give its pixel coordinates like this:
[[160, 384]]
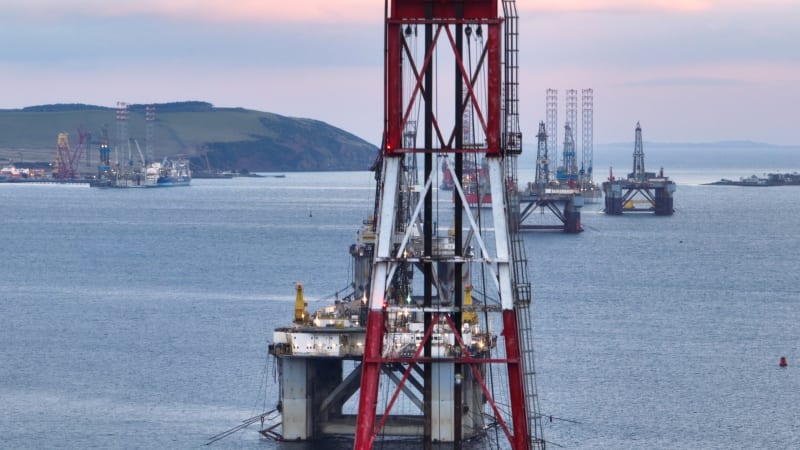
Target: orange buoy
[[783, 362]]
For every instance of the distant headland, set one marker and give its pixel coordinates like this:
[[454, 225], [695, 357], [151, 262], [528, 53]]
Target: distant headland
[[221, 138]]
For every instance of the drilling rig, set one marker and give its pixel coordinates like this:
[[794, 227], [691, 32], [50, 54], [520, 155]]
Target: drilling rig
[[439, 322], [641, 191]]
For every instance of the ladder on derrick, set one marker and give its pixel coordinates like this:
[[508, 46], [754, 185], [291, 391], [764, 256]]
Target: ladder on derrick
[[522, 302], [512, 147]]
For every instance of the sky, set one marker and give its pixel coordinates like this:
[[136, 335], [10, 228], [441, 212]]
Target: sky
[[688, 70]]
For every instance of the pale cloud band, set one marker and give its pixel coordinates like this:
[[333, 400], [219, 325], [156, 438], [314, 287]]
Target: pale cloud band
[[670, 63], [340, 11]]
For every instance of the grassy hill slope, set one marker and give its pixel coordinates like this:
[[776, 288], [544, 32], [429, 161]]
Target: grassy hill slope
[[232, 138]]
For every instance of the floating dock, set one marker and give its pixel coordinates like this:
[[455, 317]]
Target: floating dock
[[641, 191]]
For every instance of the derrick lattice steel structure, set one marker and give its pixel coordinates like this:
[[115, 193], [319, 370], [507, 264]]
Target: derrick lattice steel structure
[[442, 303], [569, 169], [512, 147], [567, 172], [123, 145], [638, 173], [542, 178], [438, 324], [149, 133], [587, 133], [572, 109], [551, 126]]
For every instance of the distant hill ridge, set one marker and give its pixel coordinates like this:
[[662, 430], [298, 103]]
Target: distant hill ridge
[[187, 106], [722, 154], [228, 138], [714, 144]]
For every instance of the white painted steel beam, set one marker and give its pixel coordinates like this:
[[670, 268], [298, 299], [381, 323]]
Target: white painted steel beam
[[380, 279], [497, 188]]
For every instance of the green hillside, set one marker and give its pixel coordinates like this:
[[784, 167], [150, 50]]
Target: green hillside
[[232, 138]]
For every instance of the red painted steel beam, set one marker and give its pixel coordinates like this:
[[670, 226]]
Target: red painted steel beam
[[420, 78], [467, 80], [444, 9], [394, 88], [494, 91], [442, 13], [406, 374], [370, 376], [516, 386]]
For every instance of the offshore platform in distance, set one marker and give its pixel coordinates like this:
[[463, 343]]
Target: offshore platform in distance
[[560, 190], [642, 191], [561, 197]]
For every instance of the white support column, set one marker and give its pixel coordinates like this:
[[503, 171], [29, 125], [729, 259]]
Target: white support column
[[442, 410], [391, 174], [295, 399], [501, 232]]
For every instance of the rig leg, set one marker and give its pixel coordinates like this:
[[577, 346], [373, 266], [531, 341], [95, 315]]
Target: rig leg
[[613, 195], [572, 214], [663, 202]]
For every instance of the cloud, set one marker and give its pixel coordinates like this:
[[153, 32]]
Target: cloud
[[323, 59], [339, 11], [656, 39], [684, 81], [247, 11], [616, 6], [137, 41]]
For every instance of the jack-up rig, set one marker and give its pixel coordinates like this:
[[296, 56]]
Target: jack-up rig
[[435, 342], [568, 172], [642, 191], [559, 191], [562, 200]]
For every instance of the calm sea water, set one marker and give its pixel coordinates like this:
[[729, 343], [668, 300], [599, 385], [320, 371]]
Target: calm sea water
[[140, 318]]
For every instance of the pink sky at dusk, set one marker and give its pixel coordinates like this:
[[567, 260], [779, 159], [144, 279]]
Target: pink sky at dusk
[[275, 11], [691, 70]]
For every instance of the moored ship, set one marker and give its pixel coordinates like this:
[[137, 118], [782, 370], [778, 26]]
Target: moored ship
[[168, 173]]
